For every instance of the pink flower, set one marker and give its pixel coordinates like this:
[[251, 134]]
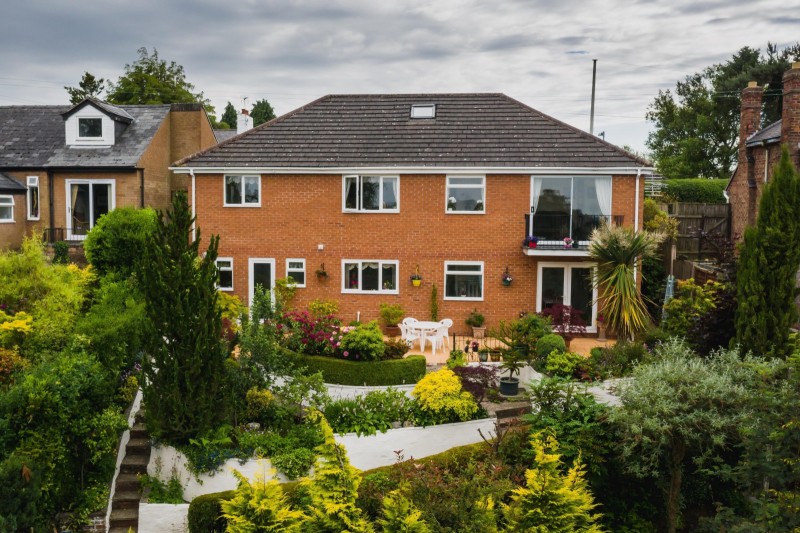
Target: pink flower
[[346, 353]]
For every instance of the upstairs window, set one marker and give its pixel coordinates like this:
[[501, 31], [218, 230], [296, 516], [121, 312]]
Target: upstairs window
[[423, 111], [371, 194], [6, 208], [465, 194], [90, 128], [33, 197], [243, 191], [564, 206]]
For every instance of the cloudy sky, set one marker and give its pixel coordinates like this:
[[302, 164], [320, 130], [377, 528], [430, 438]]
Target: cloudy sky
[[292, 52]]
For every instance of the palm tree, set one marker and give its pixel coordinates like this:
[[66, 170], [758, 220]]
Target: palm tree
[[617, 251]]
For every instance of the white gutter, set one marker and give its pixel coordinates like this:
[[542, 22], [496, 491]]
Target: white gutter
[[538, 171], [194, 208], [636, 211]]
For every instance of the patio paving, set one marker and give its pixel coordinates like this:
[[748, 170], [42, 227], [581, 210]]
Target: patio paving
[[582, 346]]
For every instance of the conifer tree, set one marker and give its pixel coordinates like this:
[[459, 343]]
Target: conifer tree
[[229, 116], [260, 506], [770, 256], [184, 362]]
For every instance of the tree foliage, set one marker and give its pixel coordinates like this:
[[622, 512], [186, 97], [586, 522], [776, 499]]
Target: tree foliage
[[262, 112], [152, 80], [770, 254], [117, 242], [88, 86], [697, 125], [185, 369], [680, 407], [229, 116]]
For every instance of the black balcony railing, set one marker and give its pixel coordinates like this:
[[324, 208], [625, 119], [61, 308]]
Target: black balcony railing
[[554, 227], [51, 235]]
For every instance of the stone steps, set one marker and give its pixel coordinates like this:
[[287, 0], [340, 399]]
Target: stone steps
[[127, 492]]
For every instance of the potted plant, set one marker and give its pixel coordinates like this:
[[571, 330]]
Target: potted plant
[[321, 273], [568, 242], [476, 320], [601, 328], [514, 360], [566, 321], [530, 241], [507, 279], [391, 315], [416, 279]]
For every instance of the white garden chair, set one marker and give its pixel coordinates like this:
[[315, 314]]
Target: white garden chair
[[437, 338], [408, 333], [446, 324]]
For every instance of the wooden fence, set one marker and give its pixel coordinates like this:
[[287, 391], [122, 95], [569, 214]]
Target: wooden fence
[[692, 219]]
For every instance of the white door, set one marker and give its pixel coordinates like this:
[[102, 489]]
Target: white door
[[87, 201], [261, 272], [568, 284]]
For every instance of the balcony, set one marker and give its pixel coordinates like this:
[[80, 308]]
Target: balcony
[[551, 229], [71, 235]]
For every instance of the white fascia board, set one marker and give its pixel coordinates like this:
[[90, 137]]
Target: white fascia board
[[550, 171]]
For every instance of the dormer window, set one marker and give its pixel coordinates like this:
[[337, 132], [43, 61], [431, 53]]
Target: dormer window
[[90, 128], [423, 111]]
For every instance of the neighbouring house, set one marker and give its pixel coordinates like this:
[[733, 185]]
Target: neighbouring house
[[760, 148], [63, 167], [352, 195]]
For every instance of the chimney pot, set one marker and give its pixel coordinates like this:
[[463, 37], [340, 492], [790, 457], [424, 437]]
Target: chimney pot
[[752, 84], [245, 112], [796, 65]]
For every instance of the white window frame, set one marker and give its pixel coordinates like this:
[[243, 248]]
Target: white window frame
[[93, 137], [381, 262], [448, 186], [242, 177], [251, 263], [227, 269], [33, 181], [7, 200], [360, 208], [419, 111], [567, 266], [303, 270], [535, 177], [481, 273], [112, 204]]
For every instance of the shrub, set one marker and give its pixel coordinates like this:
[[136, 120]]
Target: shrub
[[311, 333], [690, 302], [563, 364], [364, 343], [548, 343], [475, 319], [259, 404], [366, 415], [441, 399], [10, 363], [118, 240], [614, 361], [391, 314], [205, 513], [708, 191], [60, 253], [322, 308], [341, 372], [160, 492], [395, 349], [477, 379], [456, 359]]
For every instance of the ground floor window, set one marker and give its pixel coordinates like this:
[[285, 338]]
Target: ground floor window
[[463, 280], [296, 271], [225, 273], [87, 201], [568, 284], [6, 208], [369, 276]]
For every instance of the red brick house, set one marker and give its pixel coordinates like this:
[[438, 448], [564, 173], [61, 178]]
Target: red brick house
[[760, 148], [372, 189], [63, 167]]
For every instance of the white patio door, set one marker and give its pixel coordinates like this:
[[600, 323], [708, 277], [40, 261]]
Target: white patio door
[[87, 201], [568, 284], [261, 272]]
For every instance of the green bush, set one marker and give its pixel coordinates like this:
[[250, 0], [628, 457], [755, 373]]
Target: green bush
[[368, 414], [393, 372], [395, 349], [364, 343], [563, 364], [548, 343], [117, 242], [695, 190], [205, 512], [615, 361], [60, 253]]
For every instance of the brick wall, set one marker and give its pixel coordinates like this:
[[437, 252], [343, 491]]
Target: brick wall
[[190, 132], [126, 186], [298, 213], [11, 233]]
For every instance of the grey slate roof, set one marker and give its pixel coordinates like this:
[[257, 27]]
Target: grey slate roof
[[34, 137], [770, 134], [485, 130], [224, 135], [10, 185], [117, 113]]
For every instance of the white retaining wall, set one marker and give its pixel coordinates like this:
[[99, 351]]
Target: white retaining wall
[[163, 518]]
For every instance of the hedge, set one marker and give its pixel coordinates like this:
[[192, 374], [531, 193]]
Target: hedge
[[391, 372], [695, 190]]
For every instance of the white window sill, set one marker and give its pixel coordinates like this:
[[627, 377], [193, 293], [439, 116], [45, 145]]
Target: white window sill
[[463, 299], [242, 205], [354, 291]]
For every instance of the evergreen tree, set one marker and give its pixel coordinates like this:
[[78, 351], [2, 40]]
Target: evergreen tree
[[229, 116], [770, 255], [184, 367], [260, 506], [88, 86], [262, 112]]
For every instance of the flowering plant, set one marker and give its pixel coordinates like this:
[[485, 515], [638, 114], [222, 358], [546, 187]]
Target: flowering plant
[[530, 239], [507, 278], [568, 241], [451, 203]]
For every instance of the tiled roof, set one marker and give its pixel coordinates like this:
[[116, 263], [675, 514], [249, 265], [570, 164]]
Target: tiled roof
[[485, 130], [224, 135], [10, 185], [770, 134], [34, 137]]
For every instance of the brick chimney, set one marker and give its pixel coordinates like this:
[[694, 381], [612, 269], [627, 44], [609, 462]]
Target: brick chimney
[[243, 121], [790, 120], [750, 118]]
